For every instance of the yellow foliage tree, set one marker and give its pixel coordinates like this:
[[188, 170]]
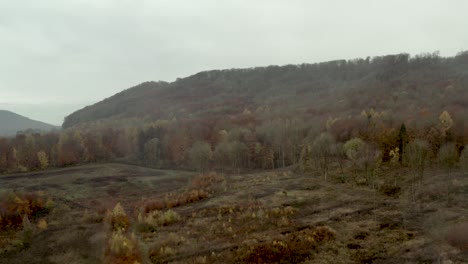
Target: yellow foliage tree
[[446, 122], [43, 159]]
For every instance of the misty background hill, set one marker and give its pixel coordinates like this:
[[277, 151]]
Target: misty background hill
[[407, 87], [11, 123]]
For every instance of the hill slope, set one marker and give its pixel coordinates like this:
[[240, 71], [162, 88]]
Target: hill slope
[[398, 84], [12, 123]]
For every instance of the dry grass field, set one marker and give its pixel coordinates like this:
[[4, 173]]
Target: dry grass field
[[114, 213]]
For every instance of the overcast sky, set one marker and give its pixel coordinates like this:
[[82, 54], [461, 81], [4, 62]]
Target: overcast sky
[[59, 56]]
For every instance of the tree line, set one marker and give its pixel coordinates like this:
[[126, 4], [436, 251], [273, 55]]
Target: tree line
[[242, 143]]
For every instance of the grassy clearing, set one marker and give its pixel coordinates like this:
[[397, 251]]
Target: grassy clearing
[[115, 213]]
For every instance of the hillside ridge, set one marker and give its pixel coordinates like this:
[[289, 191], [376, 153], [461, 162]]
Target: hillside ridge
[[333, 87], [11, 123]]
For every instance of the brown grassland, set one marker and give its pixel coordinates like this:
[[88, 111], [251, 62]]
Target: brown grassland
[[114, 213]]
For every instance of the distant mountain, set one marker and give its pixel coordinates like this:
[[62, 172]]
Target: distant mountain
[[406, 87], [11, 123]]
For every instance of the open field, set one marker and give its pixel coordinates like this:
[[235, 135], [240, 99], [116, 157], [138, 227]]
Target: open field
[[264, 217]]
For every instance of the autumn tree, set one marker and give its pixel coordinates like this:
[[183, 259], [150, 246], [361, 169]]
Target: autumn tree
[[223, 155], [152, 151], [176, 145], [267, 157], [43, 159], [4, 149], [68, 150], [200, 155], [446, 122], [93, 149], [27, 153]]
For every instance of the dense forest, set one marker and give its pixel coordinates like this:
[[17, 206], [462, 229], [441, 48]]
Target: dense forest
[[365, 111]]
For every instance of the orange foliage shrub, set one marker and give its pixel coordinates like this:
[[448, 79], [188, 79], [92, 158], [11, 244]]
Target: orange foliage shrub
[[155, 204], [201, 187], [185, 198], [14, 206]]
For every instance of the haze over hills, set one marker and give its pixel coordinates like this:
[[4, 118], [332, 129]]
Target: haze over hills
[[11, 123], [403, 86]]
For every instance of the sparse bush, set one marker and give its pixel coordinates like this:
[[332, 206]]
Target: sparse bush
[[42, 225], [291, 248], [364, 157], [66, 257], [464, 158], [458, 236], [209, 182], [416, 157], [324, 234], [448, 158], [390, 190], [147, 223], [157, 255], [27, 232], [195, 196], [92, 217]]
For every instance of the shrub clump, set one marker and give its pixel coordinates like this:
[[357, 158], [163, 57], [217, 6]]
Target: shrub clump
[[122, 248], [168, 217], [324, 234], [150, 221], [14, 206], [117, 218], [175, 200]]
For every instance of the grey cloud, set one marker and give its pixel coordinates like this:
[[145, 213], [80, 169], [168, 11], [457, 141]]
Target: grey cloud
[[79, 52]]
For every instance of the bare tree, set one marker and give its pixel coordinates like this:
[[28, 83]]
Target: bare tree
[[464, 158], [448, 158], [322, 150], [416, 157]]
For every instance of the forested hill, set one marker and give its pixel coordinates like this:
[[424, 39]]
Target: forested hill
[[402, 85], [11, 123]]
